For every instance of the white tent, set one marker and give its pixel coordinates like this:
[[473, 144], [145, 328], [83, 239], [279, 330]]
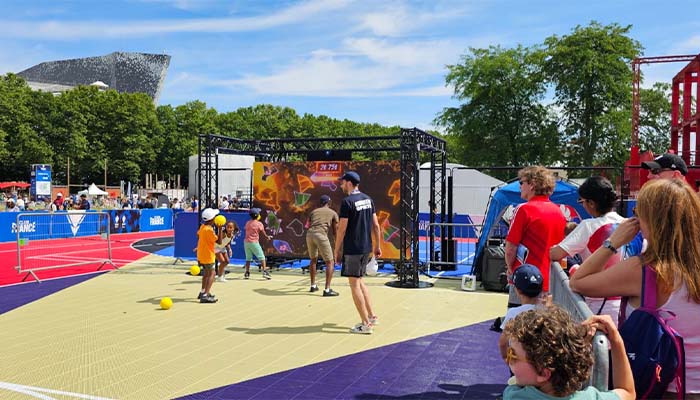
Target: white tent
[[471, 189], [93, 190]]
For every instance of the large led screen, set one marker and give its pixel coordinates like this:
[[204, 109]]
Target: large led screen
[[287, 192]]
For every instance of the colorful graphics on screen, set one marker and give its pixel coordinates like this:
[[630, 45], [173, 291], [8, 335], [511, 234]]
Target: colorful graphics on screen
[[287, 192]]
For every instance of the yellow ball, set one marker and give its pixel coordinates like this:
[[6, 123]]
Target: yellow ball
[[220, 220], [194, 270], [166, 303]]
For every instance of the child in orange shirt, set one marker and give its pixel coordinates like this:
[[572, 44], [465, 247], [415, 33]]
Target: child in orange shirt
[[206, 256]]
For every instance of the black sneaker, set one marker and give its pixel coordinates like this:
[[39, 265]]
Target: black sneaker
[[201, 294], [208, 299], [330, 293], [267, 275], [246, 275], [314, 288]]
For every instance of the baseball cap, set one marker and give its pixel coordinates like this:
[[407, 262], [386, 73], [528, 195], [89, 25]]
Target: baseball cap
[[255, 211], [668, 160], [351, 176], [528, 279], [208, 214], [325, 199], [59, 194]]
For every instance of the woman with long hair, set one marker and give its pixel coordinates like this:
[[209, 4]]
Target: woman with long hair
[[668, 214]]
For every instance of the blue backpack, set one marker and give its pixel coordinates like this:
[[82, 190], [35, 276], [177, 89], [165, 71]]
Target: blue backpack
[[654, 349]]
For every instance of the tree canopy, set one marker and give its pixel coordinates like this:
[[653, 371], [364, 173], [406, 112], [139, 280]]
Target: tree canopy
[[566, 101]]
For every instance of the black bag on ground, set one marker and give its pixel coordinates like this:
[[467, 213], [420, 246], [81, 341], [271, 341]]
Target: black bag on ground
[[493, 269]]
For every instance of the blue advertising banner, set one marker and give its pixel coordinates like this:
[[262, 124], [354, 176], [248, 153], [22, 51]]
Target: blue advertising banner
[[156, 219], [124, 221], [186, 225]]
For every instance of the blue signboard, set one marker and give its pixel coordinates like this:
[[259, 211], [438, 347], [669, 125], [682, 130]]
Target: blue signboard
[[41, 180]]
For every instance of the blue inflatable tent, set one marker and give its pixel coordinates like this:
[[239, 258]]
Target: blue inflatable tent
[[565, 194]]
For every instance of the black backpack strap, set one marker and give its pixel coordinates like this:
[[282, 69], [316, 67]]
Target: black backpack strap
[[601, 306]]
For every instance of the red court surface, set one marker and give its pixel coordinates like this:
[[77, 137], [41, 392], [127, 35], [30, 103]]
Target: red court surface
[[122, 254]]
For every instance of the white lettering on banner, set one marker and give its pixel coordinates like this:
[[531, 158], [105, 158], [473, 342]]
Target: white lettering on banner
[[423, 225], [75, 220], [365, 204], [120, 221], [24, 227], [157, 220]]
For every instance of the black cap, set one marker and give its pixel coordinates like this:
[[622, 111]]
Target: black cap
[[351, 176], [668, 160], [325, 199], [528, 279]]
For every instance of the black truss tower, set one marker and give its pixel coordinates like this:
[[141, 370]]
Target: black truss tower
[[408, 147]]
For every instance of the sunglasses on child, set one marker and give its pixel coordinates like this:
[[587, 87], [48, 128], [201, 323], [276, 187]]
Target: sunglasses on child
[[511, 357]]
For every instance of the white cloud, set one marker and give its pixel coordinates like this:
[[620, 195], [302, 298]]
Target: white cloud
[[397, 18], [58, 30], [363, 67], [691, 45]]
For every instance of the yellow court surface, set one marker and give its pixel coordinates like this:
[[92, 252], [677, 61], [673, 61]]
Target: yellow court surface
[[108, 337]]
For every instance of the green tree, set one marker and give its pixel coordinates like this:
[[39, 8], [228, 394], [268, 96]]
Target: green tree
[[591, 73], [502, 120], [655, 118]]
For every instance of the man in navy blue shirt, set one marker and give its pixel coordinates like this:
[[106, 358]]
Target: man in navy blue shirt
[[357, 227]]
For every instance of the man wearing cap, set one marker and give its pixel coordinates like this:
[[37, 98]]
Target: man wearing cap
[[322, 220], [57, 204], [527, 280], [357, 227], [666, 166], [84, 202]]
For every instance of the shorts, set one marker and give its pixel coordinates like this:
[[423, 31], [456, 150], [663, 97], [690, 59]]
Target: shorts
[[317, 242], [355, 265], [206, 266], [253, 249]]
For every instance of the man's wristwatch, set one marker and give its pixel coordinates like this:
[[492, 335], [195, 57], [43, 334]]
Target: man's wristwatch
[[608, 245]]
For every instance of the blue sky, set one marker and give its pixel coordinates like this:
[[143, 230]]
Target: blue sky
[[367, 61]]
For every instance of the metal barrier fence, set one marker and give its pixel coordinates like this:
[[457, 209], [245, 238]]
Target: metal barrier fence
[[574, 303], [58, 240], [449, 254]]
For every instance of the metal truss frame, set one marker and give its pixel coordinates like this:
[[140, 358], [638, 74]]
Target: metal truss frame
[[409, 147]]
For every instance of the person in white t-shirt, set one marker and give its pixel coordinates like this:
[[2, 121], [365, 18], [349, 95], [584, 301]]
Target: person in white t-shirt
[[597, 196]]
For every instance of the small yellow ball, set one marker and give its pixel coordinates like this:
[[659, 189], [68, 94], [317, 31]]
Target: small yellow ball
[[194, 270], [166, 303], [220, 220]]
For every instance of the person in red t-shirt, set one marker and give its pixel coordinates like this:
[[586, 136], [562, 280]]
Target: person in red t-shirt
[[537, 225]]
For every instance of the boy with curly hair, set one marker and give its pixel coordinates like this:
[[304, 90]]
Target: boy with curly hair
[[551, 356]]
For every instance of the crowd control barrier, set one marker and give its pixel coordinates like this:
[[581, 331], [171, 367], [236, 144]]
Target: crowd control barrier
[[120, 221], [574, 303], [56, 240]]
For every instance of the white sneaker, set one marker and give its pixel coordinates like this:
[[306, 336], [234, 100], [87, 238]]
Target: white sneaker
[[374, 320], [221, 279], [361, 329]]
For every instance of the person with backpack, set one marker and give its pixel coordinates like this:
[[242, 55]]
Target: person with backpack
[[667, 214]]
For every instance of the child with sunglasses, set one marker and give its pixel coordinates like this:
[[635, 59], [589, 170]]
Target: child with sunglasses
[[551, 357]]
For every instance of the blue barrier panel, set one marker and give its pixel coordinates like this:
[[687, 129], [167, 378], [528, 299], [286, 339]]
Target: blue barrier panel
[[466, 232], [76, 223], [186, 225], [156, 219], [124, 221]]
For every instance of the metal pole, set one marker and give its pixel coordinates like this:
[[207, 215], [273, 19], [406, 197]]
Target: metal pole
[[105, 174]]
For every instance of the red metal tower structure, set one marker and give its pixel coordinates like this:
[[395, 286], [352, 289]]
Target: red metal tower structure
[[688, 124]]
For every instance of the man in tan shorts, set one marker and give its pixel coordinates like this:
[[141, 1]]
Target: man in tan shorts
[[321, 221]]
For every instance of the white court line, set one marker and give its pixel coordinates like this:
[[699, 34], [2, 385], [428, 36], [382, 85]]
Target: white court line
[[36, 392]]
